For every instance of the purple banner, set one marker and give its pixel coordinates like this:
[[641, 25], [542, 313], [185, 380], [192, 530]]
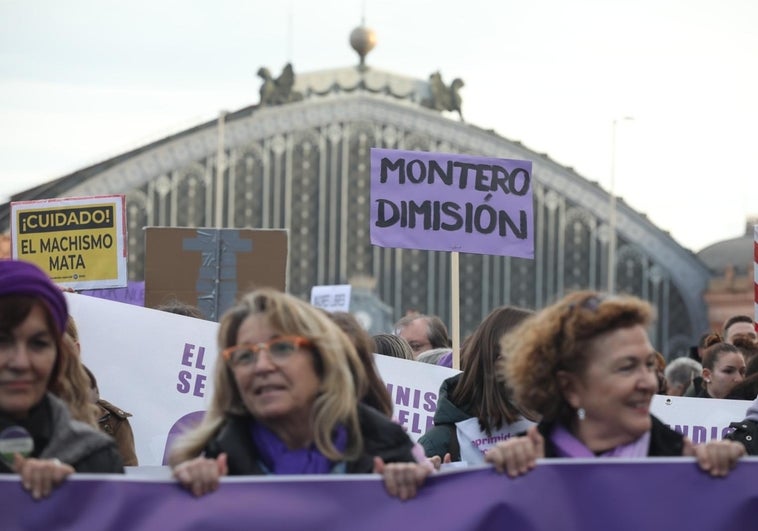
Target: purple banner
[[606, 494], [133, 293], [450, 202]]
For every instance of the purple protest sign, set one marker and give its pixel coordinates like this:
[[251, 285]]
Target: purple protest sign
[[623, 495], [450, 202], [133, 293]]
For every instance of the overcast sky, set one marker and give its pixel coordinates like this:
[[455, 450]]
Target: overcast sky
[[82, 81]]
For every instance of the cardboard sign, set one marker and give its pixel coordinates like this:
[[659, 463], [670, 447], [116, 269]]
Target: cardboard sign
[[334, 298], [79, 242], [210, 268], [447, 202]]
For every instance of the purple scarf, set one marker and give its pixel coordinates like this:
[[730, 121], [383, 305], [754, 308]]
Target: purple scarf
[[567, 445], [278, 459]]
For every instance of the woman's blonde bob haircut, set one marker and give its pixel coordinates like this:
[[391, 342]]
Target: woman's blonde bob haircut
[[558, 339], [335, 360]]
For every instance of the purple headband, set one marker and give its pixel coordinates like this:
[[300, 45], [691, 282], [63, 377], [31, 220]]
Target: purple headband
[[25, 278]]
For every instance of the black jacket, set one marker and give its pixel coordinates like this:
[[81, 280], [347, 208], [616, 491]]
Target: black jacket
[[381, 438], [442, 438], [664, 442]]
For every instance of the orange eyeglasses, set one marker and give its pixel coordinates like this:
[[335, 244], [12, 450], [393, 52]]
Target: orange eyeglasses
[[278, 348]]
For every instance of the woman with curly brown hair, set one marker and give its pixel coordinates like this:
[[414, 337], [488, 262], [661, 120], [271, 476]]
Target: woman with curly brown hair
[[586, 365]]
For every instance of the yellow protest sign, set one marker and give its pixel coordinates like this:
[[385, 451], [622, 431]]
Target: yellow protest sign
[[79, 242]]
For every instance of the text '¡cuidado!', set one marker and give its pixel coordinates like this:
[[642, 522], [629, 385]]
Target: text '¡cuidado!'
[[453, 216], [79, 218]]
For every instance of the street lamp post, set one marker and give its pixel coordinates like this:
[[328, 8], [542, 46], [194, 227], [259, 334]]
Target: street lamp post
[[612, 215]]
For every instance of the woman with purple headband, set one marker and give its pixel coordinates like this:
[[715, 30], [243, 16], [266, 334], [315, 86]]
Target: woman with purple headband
[[39, 440]]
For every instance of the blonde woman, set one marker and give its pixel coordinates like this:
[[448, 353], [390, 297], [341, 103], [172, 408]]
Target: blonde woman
[[284, 402]]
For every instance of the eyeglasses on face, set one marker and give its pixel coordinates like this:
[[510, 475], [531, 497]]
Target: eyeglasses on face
[[278, 348]]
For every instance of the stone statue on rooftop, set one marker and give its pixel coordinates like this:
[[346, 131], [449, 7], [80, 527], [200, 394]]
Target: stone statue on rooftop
[[278, 91], [444, 98]]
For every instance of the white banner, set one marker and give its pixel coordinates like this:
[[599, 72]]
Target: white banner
[[474, 443], [700, 419], [156, 365], [159, 366], [414, 387]]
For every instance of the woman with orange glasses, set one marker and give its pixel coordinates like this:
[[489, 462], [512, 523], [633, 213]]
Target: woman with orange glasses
[[284, 402]]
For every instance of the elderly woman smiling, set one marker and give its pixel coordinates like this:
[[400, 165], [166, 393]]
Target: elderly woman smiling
[[285, 402], [586, 365]]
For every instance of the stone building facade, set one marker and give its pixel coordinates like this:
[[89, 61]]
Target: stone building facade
[[302, 163]]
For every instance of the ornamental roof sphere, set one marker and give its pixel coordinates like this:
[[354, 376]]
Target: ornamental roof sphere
[[363, 40]]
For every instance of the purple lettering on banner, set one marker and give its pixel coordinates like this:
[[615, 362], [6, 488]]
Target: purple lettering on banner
[[184, 382], [587, 496], [199, 385], [451, 202], [402, 396], [491, 440], [133, 293], [185, 377], [683, 429], [698, 434], [199, 363], [409, 397], [187, 355], [430, 402], [416, 424]]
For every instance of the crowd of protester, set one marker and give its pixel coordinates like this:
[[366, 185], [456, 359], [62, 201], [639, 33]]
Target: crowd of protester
[[297, 391]]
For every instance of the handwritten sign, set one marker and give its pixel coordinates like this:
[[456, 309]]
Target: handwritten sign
[[448, 202], [79, 242], [334, 298]]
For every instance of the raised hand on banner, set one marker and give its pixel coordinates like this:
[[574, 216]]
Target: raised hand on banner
[[717, 458], [402, 479], [201, 475], [40, 476], [517, 455]]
